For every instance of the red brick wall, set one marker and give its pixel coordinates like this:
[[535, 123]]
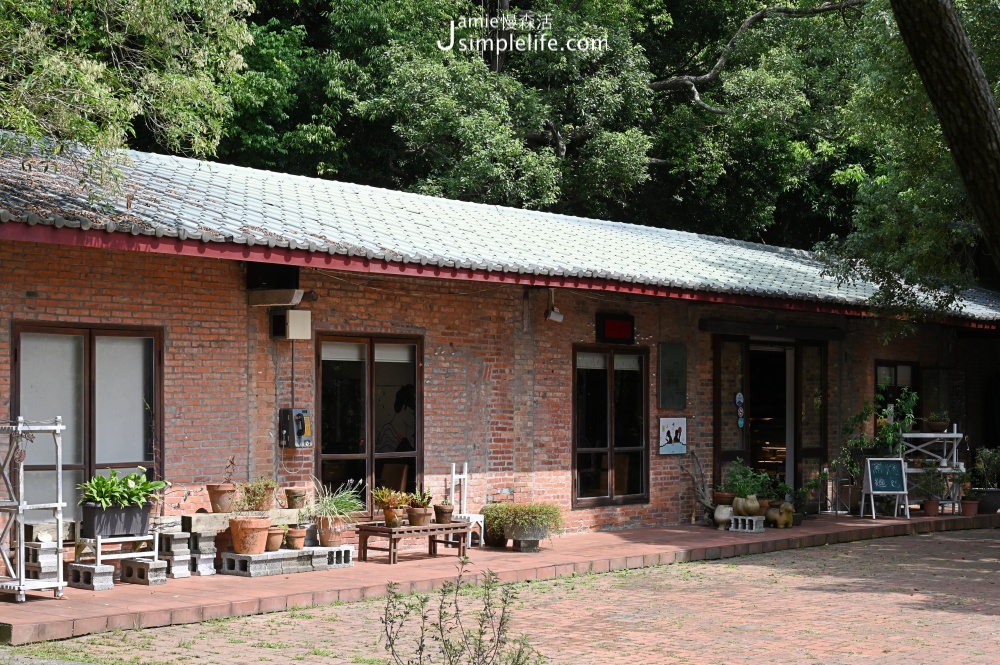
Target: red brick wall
[[497, 377]]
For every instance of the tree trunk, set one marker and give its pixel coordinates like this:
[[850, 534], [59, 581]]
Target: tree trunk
[[961, 95]]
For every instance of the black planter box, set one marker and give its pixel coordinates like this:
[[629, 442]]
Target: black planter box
[[114, 521]]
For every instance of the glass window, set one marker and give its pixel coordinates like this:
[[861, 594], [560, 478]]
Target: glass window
[[611, 426], [369, 401], [104, 384]]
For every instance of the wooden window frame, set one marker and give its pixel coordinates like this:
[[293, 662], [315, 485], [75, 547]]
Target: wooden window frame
[[90, 332], [369, 340], [612, 500]]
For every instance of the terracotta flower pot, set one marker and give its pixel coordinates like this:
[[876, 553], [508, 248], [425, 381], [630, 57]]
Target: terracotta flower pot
[[764, 505], [220, 495], [419, 516], [330, 531], [274, 537], [295, 497], [931, 507], [393, 517], [295, 539], [723, 498], [442, 514], [970, 508], [266, 502], [249, 534]]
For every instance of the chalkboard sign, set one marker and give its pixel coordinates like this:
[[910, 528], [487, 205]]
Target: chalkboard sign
[[884, 476]]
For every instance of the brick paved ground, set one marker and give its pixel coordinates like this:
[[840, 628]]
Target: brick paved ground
[[916, 599]]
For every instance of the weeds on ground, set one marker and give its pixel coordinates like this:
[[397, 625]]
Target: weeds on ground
[[456, 634]]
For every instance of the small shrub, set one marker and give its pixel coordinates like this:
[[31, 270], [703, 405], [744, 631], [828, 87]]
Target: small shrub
[[453, 633]]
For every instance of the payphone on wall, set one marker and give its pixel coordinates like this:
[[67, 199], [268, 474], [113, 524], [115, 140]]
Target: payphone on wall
[[295, 428]]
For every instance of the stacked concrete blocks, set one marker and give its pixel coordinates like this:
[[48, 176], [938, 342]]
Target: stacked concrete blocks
[[202, 553], [41, 561], [175, 550], [283, 562], [753, 524], [91, 577], [144, 571]]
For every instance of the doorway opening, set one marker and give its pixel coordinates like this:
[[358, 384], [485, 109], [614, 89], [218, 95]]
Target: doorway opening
[[770, 427]]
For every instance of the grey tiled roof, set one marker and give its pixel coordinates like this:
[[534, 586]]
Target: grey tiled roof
[[190, 199]]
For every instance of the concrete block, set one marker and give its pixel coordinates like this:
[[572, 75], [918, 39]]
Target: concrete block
[[41, 560], [35, 572], [741, 524], [202, 565], [202, 542], [205, 522], [340, 557], [178, 543], [178, 565], [91, 576], [46, 531], [166, 523], [144, 571], [284, 562]]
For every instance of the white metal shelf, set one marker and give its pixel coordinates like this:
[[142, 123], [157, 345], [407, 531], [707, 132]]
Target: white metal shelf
[[12, 473]]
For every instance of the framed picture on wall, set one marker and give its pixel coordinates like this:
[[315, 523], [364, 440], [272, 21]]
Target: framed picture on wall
[[673, 436]]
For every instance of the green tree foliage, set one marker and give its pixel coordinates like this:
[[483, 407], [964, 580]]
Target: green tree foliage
[[92, 72]]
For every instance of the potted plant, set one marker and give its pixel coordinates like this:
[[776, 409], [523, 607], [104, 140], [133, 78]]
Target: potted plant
[[495, 516], [930, 485], [389, 501], [936, 421], [259, 494], [295, 497], [113, 506], [333, 508], [722, 496], [419, 511], [295, 537], [443, 512], [528, 523], [745, 483], [970, 503], [220, 495], [249, 531], [275, 536], [988, 479]]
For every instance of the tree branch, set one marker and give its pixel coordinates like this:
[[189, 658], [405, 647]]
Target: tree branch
[[691, 82]]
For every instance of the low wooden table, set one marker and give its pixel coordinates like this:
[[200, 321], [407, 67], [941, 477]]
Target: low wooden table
[[435, 533]]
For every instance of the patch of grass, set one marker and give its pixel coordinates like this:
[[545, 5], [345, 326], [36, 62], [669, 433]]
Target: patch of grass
[[368, 661], [324, 653], [271, 645]]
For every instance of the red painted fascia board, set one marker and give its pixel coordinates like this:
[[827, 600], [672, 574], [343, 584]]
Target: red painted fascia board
[[124, 241]]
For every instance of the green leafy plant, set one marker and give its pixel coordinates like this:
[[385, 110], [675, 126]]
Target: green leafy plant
[[783, 491], [134, 489], [340, 503], [888, 438], [459, 633], [255, 496], [385, 497], [988, 468], [743, 481], [938, 416], [420, 499], [496, 517], [803, 493], [535, 516], [928, 484]]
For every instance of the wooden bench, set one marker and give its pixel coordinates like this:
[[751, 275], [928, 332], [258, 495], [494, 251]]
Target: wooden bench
[[435, 533]]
